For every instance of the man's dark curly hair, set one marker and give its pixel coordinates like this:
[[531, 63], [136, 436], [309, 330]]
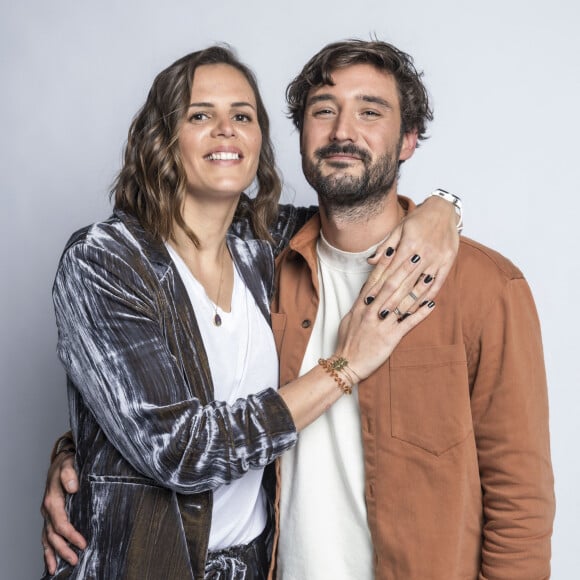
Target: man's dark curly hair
[[416, 111]]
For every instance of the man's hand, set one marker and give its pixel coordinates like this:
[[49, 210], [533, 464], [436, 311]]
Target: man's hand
[[58, 532], [418, 255]]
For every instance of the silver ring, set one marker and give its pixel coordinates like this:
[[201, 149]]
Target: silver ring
[[413, 296], [397, 311]]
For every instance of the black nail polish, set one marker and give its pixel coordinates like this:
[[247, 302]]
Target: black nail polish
[[428, 279], [415, 258], [423, 303], [383, 314], [430, 304], [390, 251], [372, 256], [369, 299], [406, 315]]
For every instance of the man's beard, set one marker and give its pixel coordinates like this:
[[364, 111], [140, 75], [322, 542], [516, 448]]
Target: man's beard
[[348, 195]]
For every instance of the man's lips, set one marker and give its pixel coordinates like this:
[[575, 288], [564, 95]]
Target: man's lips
[[342, 154], [342, 157]]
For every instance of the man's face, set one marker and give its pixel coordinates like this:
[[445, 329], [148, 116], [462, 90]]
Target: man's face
[[351, 140]]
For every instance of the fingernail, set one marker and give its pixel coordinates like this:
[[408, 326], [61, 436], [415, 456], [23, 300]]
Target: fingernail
[[390, 251], [415, 258], [383, 314], [406, 315], [430, 304], [428, 279], [423, 303], [369, 299], [372, 256]]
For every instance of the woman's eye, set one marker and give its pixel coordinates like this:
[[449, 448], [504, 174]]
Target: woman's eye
[[242, 118], [198, 117]]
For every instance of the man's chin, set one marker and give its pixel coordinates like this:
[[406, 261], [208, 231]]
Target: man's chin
[[341, 174]]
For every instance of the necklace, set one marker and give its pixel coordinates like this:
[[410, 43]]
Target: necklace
[[217, 319]]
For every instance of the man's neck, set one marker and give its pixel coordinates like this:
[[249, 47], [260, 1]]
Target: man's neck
[[356, 231]]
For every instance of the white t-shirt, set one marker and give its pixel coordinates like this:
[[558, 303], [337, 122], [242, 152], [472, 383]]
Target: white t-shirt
[[243, 360], [323, 519]]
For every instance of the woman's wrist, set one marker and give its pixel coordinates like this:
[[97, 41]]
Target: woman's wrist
[[343, 374]]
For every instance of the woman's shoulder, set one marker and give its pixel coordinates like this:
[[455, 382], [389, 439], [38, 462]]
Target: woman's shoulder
[[116, 242], [120, 233]]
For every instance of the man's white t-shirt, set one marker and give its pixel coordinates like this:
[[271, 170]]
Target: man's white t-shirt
[[323, 519]]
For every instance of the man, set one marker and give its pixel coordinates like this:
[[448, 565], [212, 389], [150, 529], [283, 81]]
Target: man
[[441, 469], [438, 465]]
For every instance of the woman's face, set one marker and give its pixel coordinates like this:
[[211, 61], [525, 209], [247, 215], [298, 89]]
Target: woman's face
[[220, 138]]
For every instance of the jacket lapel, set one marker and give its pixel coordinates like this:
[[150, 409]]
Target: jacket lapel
[[173, 297]]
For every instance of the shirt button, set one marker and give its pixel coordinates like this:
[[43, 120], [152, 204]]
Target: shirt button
[[306, 323]]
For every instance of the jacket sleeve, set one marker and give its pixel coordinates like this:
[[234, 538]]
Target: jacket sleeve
[[510, 414], [111, 342], [290, 219]]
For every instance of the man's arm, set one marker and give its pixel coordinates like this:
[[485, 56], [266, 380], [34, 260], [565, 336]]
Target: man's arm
[[57, 531], [510, 415]]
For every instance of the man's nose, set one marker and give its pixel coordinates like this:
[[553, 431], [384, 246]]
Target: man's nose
[[344, 128]]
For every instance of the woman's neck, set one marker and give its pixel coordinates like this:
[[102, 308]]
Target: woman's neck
[[209, 220], [209, 261]]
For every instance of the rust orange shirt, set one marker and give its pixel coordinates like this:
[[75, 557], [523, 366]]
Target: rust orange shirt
[[459, 481]]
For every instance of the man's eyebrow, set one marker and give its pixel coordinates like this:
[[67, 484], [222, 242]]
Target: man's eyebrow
[[376, 100], [319, 98], [366, 98], [208, 105]]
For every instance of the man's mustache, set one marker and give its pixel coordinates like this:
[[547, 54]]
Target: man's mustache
[[336, 149]]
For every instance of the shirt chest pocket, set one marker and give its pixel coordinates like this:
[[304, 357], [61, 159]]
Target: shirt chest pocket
[[430, 405]]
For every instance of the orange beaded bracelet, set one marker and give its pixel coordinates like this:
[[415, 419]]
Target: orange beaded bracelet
[[335, 365]]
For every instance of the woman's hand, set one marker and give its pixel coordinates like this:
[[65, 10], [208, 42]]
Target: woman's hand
[[57, 531], [369, 333], [414, 261]]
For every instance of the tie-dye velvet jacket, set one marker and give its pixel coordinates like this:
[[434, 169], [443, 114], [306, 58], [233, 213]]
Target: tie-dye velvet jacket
[[152, 443]]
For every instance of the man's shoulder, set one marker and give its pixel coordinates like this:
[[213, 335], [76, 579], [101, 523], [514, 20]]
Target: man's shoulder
[[485, 263]]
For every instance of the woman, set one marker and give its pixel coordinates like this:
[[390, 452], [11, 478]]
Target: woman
[[164, 332]]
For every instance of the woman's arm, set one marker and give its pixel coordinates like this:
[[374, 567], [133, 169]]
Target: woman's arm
[[429, 232], [112, 344]]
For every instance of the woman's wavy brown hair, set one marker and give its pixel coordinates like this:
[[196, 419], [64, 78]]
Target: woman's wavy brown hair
[[152, 182]]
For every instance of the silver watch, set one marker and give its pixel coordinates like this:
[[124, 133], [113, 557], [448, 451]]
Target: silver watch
[[453, 199]]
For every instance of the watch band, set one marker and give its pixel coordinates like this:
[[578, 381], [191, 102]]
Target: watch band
[[453, 199]]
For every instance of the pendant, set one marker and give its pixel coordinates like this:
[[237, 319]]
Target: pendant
[[217, 320]]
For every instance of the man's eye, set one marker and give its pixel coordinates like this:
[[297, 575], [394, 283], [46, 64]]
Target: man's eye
[[370, 114], [322, 112]]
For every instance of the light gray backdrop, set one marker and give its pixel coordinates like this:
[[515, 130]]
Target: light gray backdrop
[[505, 79]]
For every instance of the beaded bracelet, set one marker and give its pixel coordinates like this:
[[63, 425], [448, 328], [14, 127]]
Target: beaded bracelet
[[333, 366]]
